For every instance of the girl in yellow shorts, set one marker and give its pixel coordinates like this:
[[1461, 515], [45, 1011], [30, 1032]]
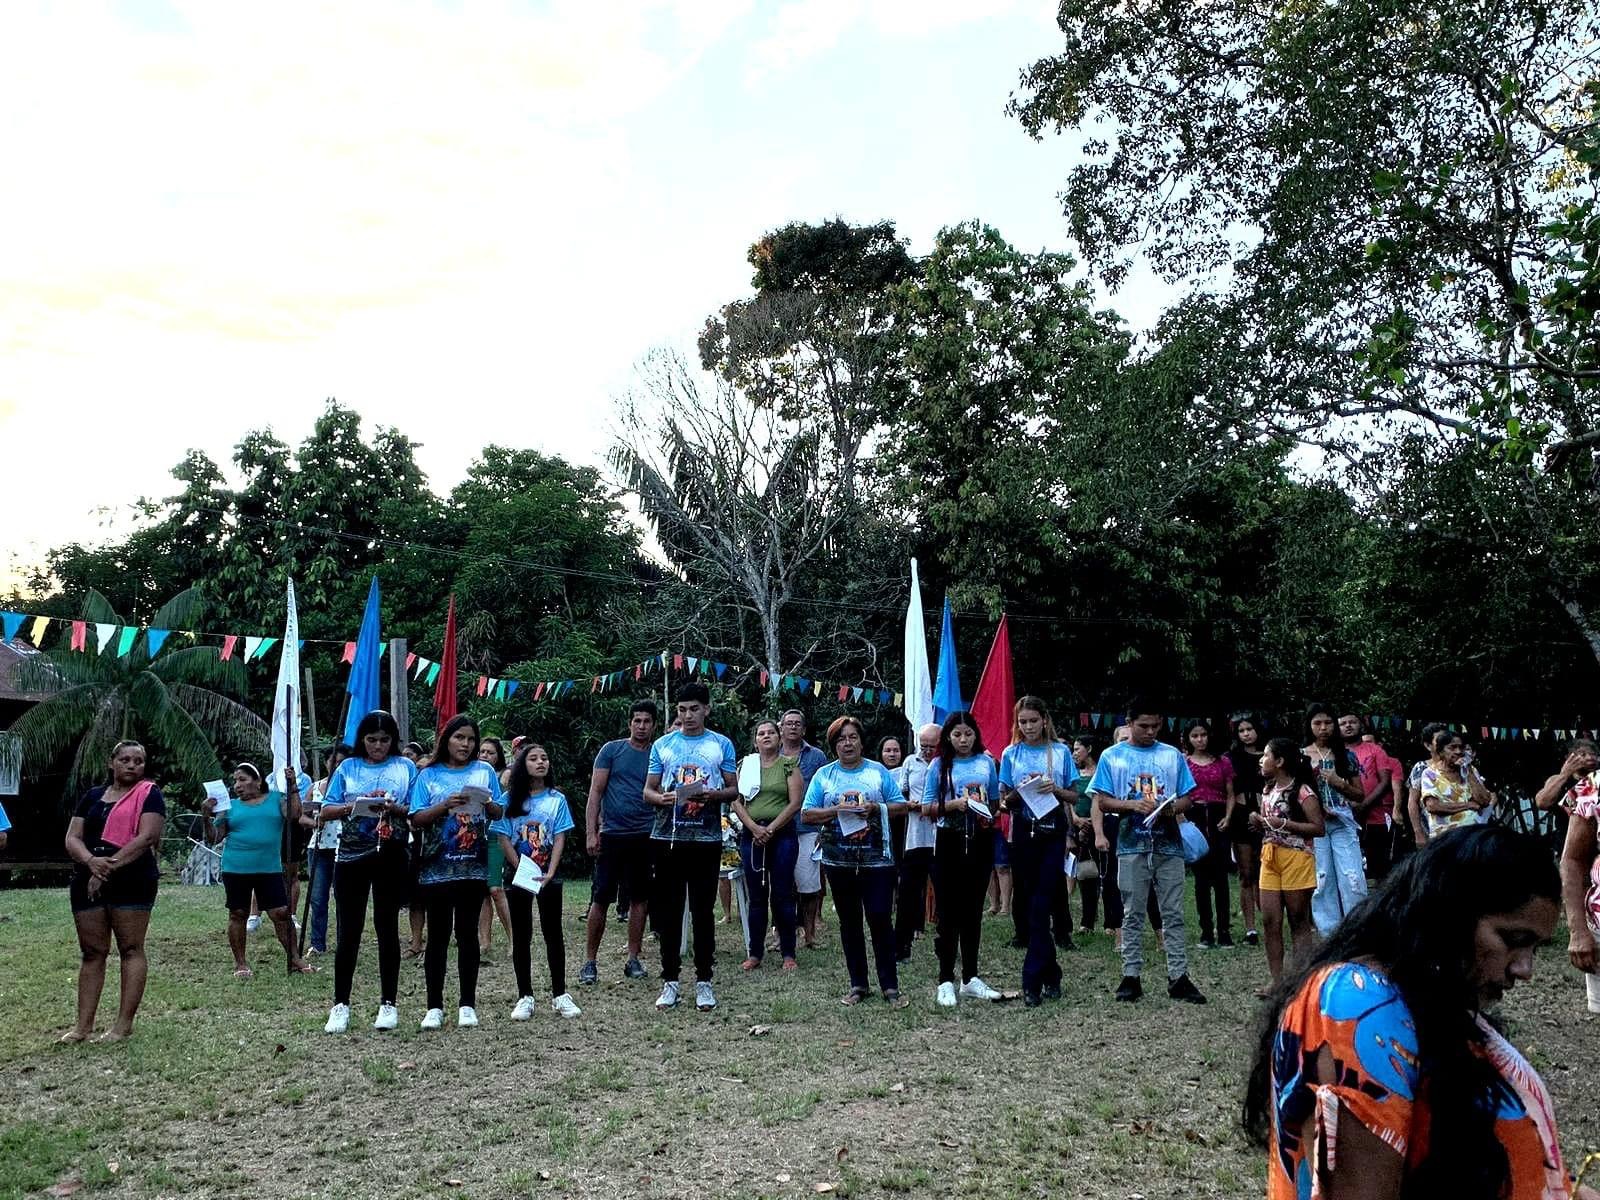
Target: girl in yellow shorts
[[1290, 817]]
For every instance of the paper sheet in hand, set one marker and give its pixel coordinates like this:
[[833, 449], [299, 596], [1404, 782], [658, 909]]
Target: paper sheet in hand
[[528, 876], [477, 797], [851, 824], [218, 791], [369, 806], [1070, 867], [1150, 821], [1039, 796]]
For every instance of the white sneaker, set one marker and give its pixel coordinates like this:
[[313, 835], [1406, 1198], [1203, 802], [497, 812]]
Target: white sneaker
[[946, 995], [522, 1010], [669, 995], [252, 924], [388, 1017], [704, 998], [977, 989], [466, 1017], [338, 1019], [566, 1005], [434, 1019]]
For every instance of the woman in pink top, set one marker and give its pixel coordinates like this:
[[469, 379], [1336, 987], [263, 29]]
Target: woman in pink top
[[1211, 810]]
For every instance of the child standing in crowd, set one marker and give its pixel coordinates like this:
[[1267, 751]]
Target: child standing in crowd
[[1211, 813], [1290, 816], [535, 827]]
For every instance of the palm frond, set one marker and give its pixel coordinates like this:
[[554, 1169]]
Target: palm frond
[[202, 666], [60, 670], [185, 742], [98, 609], [219, 716], [110, 724], [183, 611], [53, 726]]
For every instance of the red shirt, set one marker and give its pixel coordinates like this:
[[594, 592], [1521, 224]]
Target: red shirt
[[1375, 764]]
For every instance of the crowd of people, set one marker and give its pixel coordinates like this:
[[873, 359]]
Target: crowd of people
[[1302, 826]]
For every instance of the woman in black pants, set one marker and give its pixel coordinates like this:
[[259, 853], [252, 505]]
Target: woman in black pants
[[1212, 811], [453, 801], [371, 795]]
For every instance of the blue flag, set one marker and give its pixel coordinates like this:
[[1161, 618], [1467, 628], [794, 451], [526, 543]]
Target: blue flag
[[947, 687], [363, 683]]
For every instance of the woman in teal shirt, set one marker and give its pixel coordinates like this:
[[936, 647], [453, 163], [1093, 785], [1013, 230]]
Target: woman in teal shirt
[[252, 860]]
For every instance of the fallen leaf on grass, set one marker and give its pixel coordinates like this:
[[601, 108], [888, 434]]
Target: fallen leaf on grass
[[824, 1187], [897, 1087], [1194, 1135], [846, 1043], [760, 1030], [784, 1178], [841, 1154], [113, 1166], [279, 1048], [947, 1143], [64, 1187], [452, 1182], [405, 1066], [660, 1149], [544, 1174]]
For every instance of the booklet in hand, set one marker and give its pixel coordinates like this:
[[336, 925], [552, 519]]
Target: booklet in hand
[[979, 808], [218, 791], [851, 823], [528, 877], [369, 806], [1150, 821]]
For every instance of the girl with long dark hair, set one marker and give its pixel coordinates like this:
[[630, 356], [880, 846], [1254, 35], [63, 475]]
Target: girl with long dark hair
[[370, 795], [1378, 1072], [1249, 742], [456, 796], [1211, 811], [535, 826], [962, 790], [493, 751], [1288, 819], [1341, 874]]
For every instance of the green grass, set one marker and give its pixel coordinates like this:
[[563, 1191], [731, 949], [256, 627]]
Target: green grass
[[231, 1089]]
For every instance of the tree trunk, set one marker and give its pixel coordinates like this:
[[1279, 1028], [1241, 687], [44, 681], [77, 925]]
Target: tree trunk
[[1573, 609]]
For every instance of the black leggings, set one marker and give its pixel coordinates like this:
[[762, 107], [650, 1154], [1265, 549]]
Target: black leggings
[[555, 943], [911, 908], [961, 867], [1211, 873], [384, 874], [686, 868], [460, 901], [866, 893]]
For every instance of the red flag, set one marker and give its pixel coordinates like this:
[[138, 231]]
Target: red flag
[[445, 702], [764, 678], [349, 653], [228, 643], [677, 662], [80, 634], [844, 692], [996, 694]]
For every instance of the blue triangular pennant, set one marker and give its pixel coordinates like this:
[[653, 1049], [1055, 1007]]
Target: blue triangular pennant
[[153, 640], [13, 622], [721, 669]]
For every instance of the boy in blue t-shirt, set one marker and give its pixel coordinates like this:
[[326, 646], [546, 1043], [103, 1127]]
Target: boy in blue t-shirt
[[1147, 783], [693, 773]]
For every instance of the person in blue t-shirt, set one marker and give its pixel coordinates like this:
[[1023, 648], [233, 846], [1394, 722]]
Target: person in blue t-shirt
[[850, 802], [5, 826], [1037, 774], [454, 799], [617, 825], [961, 793], [1148, 784], [252, 861], [692, 774], [372, 858], [535, 827]]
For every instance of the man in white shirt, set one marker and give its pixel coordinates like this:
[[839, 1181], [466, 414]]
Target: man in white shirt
[[911, 904]]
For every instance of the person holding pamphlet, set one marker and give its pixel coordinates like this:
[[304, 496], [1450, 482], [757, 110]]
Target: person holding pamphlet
[[533, 833], [692, 774], [252, 860], [1147, 784], [455, 797], [370, 795], [769, 797], [961, 791], [852, 800], [1037, 773], [111, 838]]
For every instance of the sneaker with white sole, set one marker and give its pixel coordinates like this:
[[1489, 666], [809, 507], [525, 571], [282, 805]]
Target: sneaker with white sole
[[252, 924], [589, 973], [566, 1005], [633, 969], [945, 997], [522, 1010], [433, 1020], [669, 995], [704, 998], [466, 1017], [977, 989], [388, 1017], [338, 1019]]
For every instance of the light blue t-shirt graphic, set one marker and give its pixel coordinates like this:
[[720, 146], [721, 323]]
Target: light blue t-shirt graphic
[[533, 833], [973, 778], [355, 778], [679, 760], [870, 783], [1157, 773], [455, 846]]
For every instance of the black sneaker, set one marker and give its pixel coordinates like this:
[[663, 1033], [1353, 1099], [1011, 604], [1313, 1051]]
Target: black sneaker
[[1183, 988], [634, 969], [589, 973], [1226, 941], [1031, 999], [1207, 942], [1252, 938], [1052, 991], [1130, 988]]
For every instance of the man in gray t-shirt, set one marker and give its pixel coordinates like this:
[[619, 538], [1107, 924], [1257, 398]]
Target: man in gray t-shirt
[[617, 823]]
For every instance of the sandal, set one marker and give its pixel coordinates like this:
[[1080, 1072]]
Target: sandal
[[896, 1000], [244, 973], [305, 968], [790, 964], [853, 996], [750, 964], [71, 1038]]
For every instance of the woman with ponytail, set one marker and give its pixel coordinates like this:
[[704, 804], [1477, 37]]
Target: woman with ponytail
[[1288, 818]]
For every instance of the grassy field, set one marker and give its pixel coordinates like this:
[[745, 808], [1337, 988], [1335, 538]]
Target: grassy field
[[230, 1088]]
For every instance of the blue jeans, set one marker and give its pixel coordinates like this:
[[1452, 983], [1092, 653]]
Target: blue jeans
[[321, 863], [769, 873], [1341, 879]]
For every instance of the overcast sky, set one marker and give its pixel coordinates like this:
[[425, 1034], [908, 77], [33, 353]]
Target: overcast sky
[[467, 220]]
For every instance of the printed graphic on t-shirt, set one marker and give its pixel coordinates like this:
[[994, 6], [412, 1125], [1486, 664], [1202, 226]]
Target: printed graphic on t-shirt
[[531, 840], [689, 810]]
